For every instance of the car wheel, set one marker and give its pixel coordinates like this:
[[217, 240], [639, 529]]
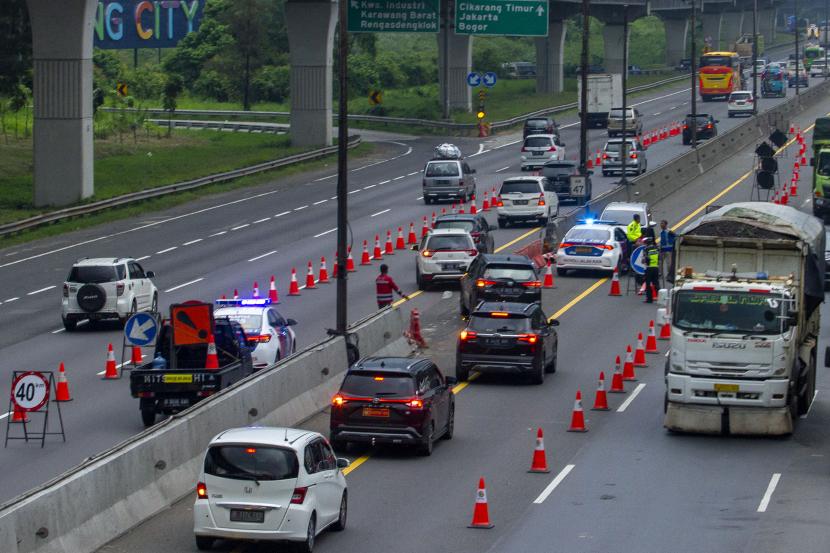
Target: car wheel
[[204, 543], [70, 325], [551, 367], [154, 307], [133, 310], [561, 272], [340, 525], [425, 449], [419, 280], [538, 374], [461, 373], [503, 222], [450, 424], [311, 535], [427, 200], [465, 312]]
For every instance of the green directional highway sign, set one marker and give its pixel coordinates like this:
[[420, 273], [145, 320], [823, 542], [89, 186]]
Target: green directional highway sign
[[393, 16], [501, 17]]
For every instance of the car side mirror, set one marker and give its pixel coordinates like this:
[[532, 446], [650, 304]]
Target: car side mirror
[[290, 322], [451, 380], [343, 463], [151, 274], [554, 322], [414, 247]]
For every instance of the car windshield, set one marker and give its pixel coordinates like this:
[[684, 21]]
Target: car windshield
[[519, 274], [520, 187], [739, 96], [823, 164], [442, 169], [615, 147], [251, 462], [250, 322], [486, 323], [556, 169], [536, 123], [439, 243], [537, 142], [463, 225], [618, 113], [710, 61], [371, 384], [619, 216], [720, 311], [588, 235], [91, 274]]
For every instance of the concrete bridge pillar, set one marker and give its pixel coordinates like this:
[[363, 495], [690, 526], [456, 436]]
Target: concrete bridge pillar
[[62, 52], [550, 51], [614, 44], [712, 23], [311, 27], [461, 62], [766, 25], [733, 27], [676, 32]]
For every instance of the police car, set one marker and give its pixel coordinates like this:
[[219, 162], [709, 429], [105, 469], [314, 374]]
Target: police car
[[590, 244], [269, 333]]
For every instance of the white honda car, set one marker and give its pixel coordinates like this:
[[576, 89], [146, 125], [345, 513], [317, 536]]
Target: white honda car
[[444, 254], [590, 245], [269, 484]]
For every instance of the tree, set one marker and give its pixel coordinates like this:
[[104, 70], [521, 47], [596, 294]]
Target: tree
[[15, 46], [172, 88], [246, 25]]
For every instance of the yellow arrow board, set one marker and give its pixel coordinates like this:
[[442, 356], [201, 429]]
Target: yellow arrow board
[[121, 88], [375, 97]]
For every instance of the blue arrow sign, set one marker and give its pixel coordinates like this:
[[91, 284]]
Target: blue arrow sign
[[489, 79], [638, 260], [473, 78], [141, 329]]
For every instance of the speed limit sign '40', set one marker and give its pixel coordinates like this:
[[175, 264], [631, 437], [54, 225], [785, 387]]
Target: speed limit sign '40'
[[30, 391]]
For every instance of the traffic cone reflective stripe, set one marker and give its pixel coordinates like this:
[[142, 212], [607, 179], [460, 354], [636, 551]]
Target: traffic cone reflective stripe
[[388, 249], [539, 463], [548, 282], [425, 225], [412, 238], [364, 260], [377, 254], [578, 416], [481, 515], [110, 371], [135, 356], [272, 291], [256, 289], [617, 380], [350, 268], [310, 282], [324, 272], [615, 283], [473, 209], [628, 367], [651, 341], [62, 392], [640, 352], [485, 206], [293, 286], [784, 198], [601, 399], [212, 360]]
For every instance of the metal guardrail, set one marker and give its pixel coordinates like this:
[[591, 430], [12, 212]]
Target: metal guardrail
[[124, 199], [275, 128]]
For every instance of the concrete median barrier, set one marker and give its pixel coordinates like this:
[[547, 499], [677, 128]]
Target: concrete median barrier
[[107, 495]]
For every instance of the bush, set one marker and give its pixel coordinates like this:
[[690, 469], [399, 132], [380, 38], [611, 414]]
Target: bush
[[390, 73], [271, 83], [363, 74], [145, 83], [211, 84]]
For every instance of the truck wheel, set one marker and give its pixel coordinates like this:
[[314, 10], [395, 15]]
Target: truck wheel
[[795, 408], [148, 413], [810, 390], [204, 543]]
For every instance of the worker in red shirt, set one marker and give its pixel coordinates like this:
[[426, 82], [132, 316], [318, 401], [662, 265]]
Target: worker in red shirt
[[385, 287]]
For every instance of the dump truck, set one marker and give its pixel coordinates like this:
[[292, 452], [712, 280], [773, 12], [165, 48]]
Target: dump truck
[[604, 93], [821, 167], [744, 315], [743, 46]]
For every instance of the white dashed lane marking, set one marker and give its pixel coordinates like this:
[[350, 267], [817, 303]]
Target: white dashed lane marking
[[200, 279], [220, 233], [241, 226], [300, 208], [166, 250], [192, 242], [261, 220], [325, 232], [381, 212], [33, 292], [321, 202], [263, 255]]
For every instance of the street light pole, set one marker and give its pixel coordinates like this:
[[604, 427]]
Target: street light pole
[[445, 56], [623, 148], [797, 84], [755, 54], [342, 169], [694, 79], [583, 97], [826, 36]]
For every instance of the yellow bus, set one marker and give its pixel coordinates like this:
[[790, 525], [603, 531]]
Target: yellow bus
[[719, 74]]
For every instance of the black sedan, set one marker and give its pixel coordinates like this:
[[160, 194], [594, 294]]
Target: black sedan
[[707, 127]]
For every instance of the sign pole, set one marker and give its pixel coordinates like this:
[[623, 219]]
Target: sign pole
[[583, 100], [342, 169], [445, 55], [624, 145]]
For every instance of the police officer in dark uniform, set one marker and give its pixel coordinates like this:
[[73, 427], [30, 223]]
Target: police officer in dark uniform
[[652, 255]]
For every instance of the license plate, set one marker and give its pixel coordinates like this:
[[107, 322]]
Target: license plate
[[177, 378], [519, 202], [452, 266], [442, 182], [584, 249], [240, 515], [538, 153], [727, 387], [510, 291], [375, 411], [176, 402], [497, 341]]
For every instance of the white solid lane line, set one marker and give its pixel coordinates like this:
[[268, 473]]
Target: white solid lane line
[[381, 212], [272, 252], [281, 214], [552, 486], [241, 226], [628, 401], [200, 279], [261, 220], [325, 232], [167, 250], [191, 242], [773, 483], [58, 331], [143, 257], [502, 169], [321, 202], [33, 292]]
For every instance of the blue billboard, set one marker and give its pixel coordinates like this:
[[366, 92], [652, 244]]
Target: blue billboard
[[125, 24]]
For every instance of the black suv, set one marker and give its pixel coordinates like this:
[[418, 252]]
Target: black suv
[[559, 174], [706, 127], [393, 400], [540, 125], [499, 277], [507, 336], [475, 224]]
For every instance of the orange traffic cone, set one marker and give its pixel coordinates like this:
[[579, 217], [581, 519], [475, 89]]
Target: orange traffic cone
[[235, 294], [481, 516], [324, 272], [617, 380], [136, 356], [628, 367], [212, 360], [539, 463], [665, 330], [651, 341], [335, 267], [598, 159], [364, 260], [388, 249], [794, 188], [589, 163], [454, 209], [615, 283], [62, 392], [19, 415], [473, 209], [548, 282], [425, 226], [400, 243], [578, 416], [272, 291], [784, 197], [774, 197], [640, 352], [434, 218], [792, 129], [293, 286], [310, 282], [412, 238], [110, 372], [377, 254], [601, 399], [256, 290], [350, 268], [485, 206]]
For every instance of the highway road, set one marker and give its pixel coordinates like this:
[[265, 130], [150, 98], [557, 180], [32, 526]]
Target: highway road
[[210, 247], [627, 485]]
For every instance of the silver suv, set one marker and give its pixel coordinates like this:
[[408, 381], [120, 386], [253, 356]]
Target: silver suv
[[107, 288], [633, 122], [448, 176]]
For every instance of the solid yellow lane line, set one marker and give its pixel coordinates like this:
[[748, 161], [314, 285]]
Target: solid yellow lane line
[[517, 239], [354, 464], [579, 298], [414, 294]]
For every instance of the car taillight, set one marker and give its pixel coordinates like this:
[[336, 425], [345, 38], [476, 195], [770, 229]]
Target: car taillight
[[260, 339], [750, 101], [298, 496], [338, 400], [415, 404], [709, 126], [529, 338], [481, 283], [498, 202], [564, 245], [467, 335], [552, 149], [476, 235], [201, 490], [532, 284], [541, 199], [605, 247], [473, 252], [633, 155], [604, 156], [119, 288], [426, 253], [66, 290], [685, 127]]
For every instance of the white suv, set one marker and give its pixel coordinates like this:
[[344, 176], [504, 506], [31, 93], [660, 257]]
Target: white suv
[[107, 288], [444, 254], [526, 198], [741, 101]]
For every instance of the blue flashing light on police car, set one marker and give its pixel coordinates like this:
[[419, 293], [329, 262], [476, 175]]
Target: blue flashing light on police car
[[244, 302]]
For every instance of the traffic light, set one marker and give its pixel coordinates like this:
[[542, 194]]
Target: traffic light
[[480, 113]]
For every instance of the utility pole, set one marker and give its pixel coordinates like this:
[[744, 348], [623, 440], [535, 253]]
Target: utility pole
[[826, 36], [583, 97], [797, 59], [755, 55], [694, 79], [445, 56], [342, 168], [624, 145]]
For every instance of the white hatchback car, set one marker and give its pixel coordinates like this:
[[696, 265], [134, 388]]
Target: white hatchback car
[[590, 245], [741, 102], [444, 254], [526, 199], [107, 288], [269, 333], [269, 484], [538, 149]]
